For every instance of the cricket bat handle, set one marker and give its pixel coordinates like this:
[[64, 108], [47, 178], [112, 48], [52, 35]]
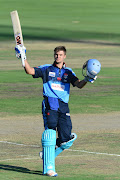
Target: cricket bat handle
[[23, 59]]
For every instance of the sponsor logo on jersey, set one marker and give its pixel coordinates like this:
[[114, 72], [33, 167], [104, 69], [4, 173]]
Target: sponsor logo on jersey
[[52, 74], [58, 87]]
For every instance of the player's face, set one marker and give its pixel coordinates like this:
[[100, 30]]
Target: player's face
[[59, 56]]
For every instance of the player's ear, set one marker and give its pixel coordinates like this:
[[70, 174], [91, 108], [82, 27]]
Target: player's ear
[[65, 56]]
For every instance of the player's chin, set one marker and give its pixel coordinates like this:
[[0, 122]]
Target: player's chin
[[57, 61]]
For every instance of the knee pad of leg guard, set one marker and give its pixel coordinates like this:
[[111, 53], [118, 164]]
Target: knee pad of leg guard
[[66, 145], [48, 144], [69, 143]]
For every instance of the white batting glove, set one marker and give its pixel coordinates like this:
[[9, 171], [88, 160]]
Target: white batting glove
[[89, 79], [20, 52]]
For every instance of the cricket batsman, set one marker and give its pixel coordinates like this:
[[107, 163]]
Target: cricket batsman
[[56, 88]]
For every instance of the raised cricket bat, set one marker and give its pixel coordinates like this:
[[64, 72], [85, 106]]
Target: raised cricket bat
[[17, 31]]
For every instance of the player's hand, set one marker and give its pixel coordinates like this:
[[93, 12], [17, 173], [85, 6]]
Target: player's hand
[[89, 79], [20, 51]]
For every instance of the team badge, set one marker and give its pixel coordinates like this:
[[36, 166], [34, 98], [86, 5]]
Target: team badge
[[65, 75]]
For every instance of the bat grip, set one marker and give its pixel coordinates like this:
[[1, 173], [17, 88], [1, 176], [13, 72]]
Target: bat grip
[[23, 59]]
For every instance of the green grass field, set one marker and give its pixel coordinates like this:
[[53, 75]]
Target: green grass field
[[20, 90], [64, 20], [88, 29]]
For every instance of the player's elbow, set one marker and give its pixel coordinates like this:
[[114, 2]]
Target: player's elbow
[[26, 71], [30, 71]]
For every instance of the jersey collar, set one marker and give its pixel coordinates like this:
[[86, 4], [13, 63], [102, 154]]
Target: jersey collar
[[55, 64]]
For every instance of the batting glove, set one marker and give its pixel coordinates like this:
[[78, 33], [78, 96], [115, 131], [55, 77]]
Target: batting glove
[[20, 51], [89, 79]]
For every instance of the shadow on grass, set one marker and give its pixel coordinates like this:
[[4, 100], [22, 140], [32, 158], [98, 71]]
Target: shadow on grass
[[53, 34], [19, 169]]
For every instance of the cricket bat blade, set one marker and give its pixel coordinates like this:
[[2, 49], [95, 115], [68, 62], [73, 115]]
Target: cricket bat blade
[[17, 31]]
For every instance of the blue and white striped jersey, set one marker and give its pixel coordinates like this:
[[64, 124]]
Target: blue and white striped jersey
[[56, 82]]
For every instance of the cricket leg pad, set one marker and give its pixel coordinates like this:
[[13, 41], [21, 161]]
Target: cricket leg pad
[[66, 145], [48, 144]]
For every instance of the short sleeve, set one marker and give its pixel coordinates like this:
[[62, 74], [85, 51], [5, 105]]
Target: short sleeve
[[38, 72]]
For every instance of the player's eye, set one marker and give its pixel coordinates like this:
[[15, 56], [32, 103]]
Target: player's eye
[[56, 55]]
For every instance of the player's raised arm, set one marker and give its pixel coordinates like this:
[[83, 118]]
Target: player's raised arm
[[28, 69]]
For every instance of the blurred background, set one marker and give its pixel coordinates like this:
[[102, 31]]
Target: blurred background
[[64, 20]]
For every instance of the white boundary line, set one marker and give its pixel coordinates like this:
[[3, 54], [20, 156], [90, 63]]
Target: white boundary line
[[37, 158], [17, 159], [7, 142], [83, 151]]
